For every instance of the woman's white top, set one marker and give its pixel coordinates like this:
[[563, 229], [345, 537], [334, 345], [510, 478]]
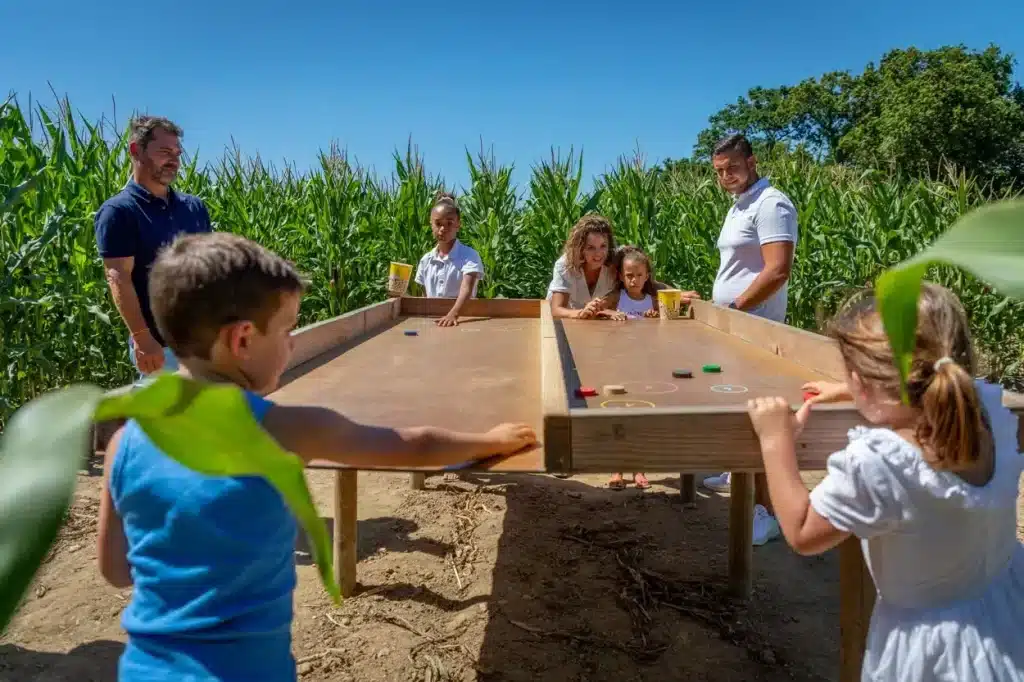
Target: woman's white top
[[944, 555], [575, 284], [633, 308]]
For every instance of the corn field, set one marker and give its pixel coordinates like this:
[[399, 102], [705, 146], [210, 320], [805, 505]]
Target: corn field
[[342, 226]]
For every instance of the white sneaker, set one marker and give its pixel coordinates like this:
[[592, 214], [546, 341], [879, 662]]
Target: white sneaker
[[720, 483], [766, 528]]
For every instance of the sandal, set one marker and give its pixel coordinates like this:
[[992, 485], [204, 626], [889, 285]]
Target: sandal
[[641, 481], [616, 482]]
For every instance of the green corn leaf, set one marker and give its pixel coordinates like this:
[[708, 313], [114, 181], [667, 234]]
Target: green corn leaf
[[41, 450], [987, 242], [206, 427], [16, 193]]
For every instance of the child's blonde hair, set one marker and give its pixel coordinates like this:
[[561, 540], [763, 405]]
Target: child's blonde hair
[[589, 224], [953, 428], [628, 252]]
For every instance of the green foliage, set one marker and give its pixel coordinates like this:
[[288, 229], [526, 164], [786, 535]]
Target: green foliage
[[206, 427], [342, 226], [988, 242], [40, 453], [915, 113]]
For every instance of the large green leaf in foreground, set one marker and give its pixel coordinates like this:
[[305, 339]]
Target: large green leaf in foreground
[[987, 242], [207, 427], [40, 453]]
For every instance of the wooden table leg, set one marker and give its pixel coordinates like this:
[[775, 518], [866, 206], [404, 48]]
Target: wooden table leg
[[688, 489], [856, 600], [741, 534], [417, 481], [345, 533]]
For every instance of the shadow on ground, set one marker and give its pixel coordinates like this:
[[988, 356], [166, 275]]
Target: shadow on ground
[[376, 535], [595, 584], [92, 662]]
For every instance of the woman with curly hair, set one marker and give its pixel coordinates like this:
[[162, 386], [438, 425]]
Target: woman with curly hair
[[584, 275]]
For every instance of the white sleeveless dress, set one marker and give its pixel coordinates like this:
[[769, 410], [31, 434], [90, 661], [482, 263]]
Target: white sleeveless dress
[[944, 555], [634, 309]]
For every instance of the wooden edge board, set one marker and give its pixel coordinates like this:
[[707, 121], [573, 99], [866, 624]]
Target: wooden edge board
[[474, 307], [706, 438], [697, 439], [556, 436], [808, 349], [319, 337]]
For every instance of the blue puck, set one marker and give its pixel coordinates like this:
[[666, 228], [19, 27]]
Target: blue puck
[[411, 332]]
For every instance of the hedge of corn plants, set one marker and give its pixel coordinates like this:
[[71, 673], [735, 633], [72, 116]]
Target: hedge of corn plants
[[342, 225]]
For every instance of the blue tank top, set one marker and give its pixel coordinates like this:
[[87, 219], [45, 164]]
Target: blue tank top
[[212, 560]]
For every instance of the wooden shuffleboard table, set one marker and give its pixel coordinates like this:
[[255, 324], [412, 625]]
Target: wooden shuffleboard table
[[508, 360]]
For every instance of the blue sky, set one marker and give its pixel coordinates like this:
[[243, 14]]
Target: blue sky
[[607, 78]]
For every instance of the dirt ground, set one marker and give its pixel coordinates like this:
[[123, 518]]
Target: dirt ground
[[510, 577]]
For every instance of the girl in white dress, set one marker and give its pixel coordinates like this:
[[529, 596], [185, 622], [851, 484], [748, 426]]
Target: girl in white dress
[[930, 490], [634, 298]]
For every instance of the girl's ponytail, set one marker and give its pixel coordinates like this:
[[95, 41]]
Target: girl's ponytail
[[953, 424]]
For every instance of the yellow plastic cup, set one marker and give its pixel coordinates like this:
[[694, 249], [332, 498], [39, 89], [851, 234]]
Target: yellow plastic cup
[[669, 303], [398, 278]]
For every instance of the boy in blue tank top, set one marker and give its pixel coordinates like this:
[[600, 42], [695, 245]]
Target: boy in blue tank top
[[211, 559]]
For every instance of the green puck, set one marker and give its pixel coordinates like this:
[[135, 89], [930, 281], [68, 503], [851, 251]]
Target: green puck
[[712, 368]]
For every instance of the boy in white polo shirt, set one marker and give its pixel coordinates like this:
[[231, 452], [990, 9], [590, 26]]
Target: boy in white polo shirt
[[451, 269], [756, 244]]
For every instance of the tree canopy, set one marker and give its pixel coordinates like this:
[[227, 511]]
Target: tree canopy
[[912, 113]]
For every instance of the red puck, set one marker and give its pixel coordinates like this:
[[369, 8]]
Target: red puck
[[586, 392], [809, 394]]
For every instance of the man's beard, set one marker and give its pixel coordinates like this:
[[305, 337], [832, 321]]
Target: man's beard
[[164, 176]]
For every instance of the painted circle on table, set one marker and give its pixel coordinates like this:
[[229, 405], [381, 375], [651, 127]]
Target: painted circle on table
[[625, 402], [649, 387], [729, 388]]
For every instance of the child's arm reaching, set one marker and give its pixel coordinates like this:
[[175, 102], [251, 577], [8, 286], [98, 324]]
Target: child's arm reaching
[[315, 433], [828, 392], [806, 531], [465, 291]]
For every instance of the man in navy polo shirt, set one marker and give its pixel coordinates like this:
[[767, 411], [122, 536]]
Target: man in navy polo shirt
[[135, 223]]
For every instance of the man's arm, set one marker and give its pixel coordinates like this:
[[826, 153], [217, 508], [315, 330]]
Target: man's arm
[[777, 231], [149, 355], [118, 272], [116, 241], [778, 263], [315, 433]]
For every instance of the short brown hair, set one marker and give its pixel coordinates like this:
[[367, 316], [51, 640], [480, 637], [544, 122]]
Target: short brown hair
[[589, 224], [953, 429], [201, 282], [141, 129]]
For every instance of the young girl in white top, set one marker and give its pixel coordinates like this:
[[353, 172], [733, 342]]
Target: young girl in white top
[[635, 296], [931, 491]]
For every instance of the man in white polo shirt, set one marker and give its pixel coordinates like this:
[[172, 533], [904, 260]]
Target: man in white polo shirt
[[756, 246]]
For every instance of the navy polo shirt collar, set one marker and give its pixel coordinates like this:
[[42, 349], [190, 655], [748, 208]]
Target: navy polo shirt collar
[[140, 192]]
